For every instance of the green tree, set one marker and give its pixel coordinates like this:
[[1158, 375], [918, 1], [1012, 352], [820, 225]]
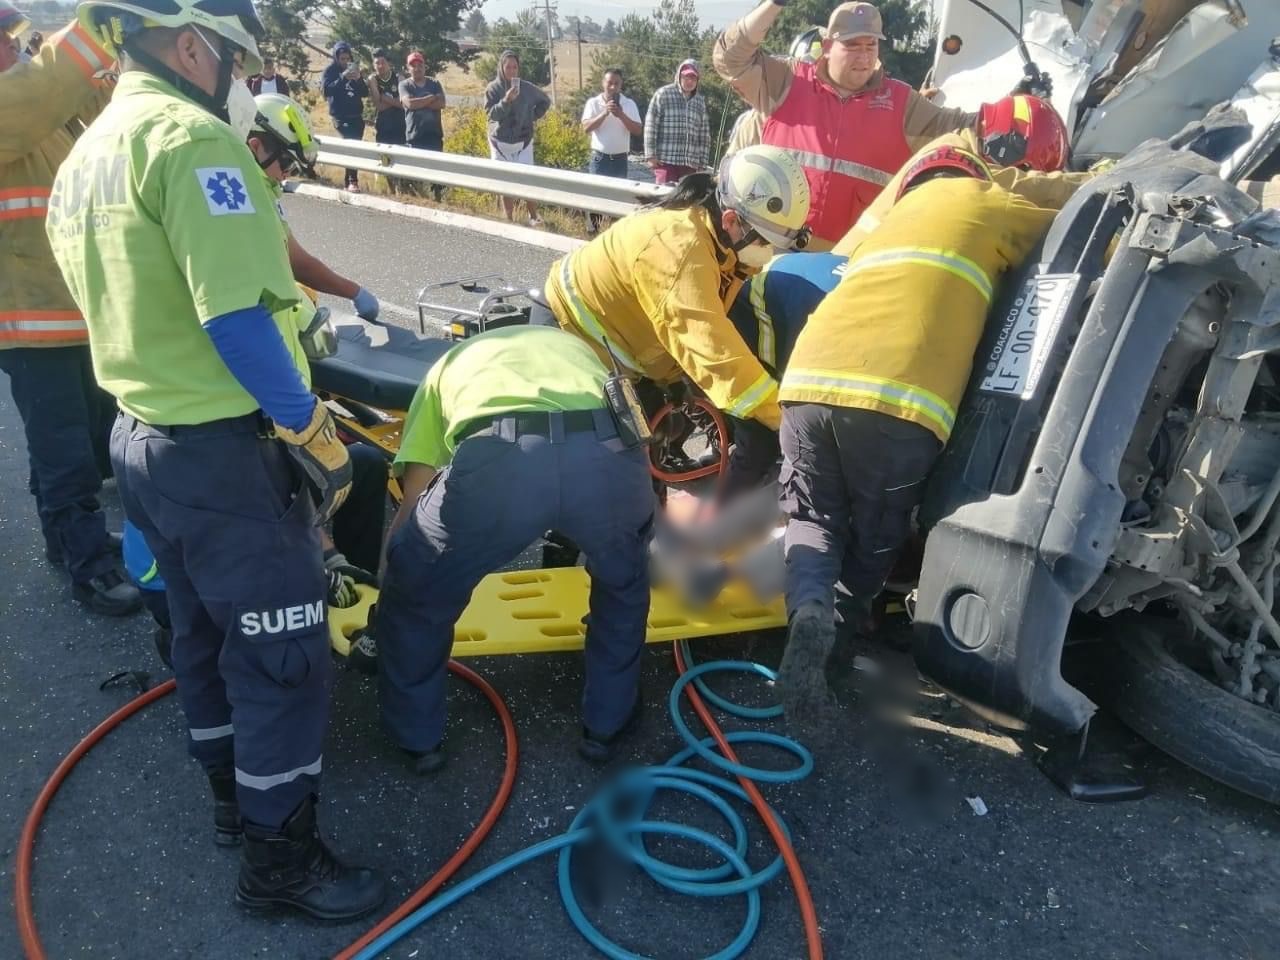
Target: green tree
[[528, 44], [476, 25], [907, 53], [396, 25]]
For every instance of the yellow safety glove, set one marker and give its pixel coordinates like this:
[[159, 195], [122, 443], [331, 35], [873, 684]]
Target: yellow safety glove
[[323, 459]]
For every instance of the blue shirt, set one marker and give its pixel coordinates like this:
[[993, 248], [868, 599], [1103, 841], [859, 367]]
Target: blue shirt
[[772, 308]]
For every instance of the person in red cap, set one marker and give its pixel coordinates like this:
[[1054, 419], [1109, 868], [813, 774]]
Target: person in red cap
[[423, 98], [851, 125], [677, 135]]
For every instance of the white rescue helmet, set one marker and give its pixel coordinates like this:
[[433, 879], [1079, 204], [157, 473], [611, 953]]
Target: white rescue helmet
[[282, 118], [112, 22], [766, 187]]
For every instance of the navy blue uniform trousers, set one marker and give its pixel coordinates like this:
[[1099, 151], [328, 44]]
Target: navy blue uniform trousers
[[234, 536], [500, 493], [850, 481], [67, 419]]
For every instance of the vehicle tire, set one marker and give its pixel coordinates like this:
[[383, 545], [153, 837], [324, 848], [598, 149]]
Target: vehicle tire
[[1188, 716]]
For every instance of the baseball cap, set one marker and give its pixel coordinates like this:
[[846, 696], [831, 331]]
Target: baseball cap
[[416, 57], [851, 20], [689, 68]]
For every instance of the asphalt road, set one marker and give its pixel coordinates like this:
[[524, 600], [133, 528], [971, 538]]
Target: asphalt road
[[899, 864]]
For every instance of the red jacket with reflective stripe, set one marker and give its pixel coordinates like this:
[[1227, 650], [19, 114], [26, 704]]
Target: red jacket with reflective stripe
[[44, 104], [850, 147]]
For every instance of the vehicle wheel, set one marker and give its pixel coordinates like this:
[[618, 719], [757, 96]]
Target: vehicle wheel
[[1188, 716]]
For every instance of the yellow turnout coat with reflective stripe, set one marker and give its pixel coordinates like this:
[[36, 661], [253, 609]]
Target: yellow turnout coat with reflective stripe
[[1043, 189], [899, 332], [43, 105], [657, 286]]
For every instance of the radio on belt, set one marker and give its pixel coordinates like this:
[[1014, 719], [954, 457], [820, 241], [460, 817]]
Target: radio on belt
[[624, 406]]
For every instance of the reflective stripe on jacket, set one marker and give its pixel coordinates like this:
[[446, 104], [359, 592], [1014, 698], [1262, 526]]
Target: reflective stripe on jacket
[[1043, 189], [655, 286], [43, 103], [850, 147], [898, 334]]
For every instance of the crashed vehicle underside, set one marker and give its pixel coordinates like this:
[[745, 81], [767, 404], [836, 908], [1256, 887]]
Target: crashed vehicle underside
[[1115, 467]]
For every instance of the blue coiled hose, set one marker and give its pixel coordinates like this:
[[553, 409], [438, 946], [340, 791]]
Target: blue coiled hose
[[633, 792]]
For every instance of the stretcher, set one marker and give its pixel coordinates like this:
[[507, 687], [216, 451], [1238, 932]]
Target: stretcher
[[541, 611], [369, 384]]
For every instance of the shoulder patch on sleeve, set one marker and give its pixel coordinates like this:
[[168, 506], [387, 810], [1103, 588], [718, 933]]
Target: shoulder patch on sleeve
[[224, 190]]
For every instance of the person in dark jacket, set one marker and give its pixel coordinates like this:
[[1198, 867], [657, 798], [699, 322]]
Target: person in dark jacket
[[513, 105], [345, 89]]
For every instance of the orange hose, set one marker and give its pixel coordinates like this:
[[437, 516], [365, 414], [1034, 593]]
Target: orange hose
[[26, 845], [486, 824], [718, 467], [808, 912], [27, 931]]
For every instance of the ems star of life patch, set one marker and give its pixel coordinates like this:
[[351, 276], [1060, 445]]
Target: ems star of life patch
[[224, 190]]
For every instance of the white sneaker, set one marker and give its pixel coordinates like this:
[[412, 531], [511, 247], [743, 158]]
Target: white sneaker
[[535, 221]]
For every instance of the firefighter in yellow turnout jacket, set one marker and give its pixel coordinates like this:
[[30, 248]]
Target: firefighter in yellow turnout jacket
[[869, 396], [655, 287], [43, 340]]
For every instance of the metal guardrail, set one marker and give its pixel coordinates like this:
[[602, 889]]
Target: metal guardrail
[[561, 188]]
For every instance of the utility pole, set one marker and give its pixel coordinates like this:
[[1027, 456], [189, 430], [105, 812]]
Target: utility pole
[[551, 53], [579, 53]]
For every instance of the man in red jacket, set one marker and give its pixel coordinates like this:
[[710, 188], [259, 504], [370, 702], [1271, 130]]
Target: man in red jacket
[[850, 126]]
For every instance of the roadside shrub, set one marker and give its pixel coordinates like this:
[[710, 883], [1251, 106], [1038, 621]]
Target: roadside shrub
[[558, 139]]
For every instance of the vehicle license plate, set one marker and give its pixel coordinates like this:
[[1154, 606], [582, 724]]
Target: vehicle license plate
[[1028, 331]]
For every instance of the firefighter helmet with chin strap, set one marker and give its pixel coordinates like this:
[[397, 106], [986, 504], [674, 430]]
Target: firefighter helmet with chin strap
[[1025, 132], [285, 122], [13, 22], [766, 187], [949, 161]]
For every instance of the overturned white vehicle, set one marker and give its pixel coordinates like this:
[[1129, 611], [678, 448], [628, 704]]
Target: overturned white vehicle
[[1130, 487]]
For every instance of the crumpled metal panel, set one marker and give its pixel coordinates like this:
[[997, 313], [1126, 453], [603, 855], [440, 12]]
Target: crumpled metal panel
[[1203, 61]]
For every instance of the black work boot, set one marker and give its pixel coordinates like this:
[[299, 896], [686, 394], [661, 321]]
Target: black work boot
[[227, 829], [802, 680], [110, 594], [293, 868], [598, 748]]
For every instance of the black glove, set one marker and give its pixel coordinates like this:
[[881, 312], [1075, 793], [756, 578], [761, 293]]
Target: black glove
[[343, 577], [1035, 83]]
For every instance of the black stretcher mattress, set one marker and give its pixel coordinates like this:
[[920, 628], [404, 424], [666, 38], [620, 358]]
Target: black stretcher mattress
[[377, 365]]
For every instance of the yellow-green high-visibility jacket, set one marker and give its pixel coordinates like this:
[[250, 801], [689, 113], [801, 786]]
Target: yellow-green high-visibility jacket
[[657, 286], [1042, 189], [899, 331], [43, 105]]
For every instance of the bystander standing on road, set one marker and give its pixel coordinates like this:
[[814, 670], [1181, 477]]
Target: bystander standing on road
[[513, 107], [34, 43], [677, 135], [268, 81], [422, 99], [344, 89], [611, 119]]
